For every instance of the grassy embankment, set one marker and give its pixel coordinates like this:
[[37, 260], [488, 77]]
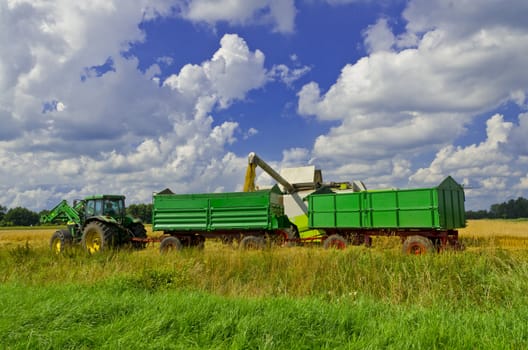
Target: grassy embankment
[[302, 297]]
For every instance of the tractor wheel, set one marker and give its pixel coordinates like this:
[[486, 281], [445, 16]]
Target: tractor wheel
[[252, 243], [334, 242], [417, 245], [138, 231], [60, 241], [97, 237], [170, 244]]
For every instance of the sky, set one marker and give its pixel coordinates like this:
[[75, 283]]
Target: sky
[[133, 96]]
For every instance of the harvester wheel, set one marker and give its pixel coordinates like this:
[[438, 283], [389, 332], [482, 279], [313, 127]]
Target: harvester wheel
[[97, 237], [170, 244], [138, 231], [60, 241], [418, 245], [252, 243], [334, 242], [293, 237]]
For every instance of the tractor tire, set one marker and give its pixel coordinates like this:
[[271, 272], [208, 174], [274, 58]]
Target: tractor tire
[[60, 241], [418, 245], [170, 244], [98, 237], [335, 242], [252, 243], [138, 231]]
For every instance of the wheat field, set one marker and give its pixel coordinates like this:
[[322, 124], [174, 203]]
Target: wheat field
[[299, 297], [507, 234]]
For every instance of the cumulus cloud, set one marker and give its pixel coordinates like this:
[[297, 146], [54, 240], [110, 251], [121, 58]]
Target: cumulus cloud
[[489, 168], [472, 160], [379, 37], [81, 118], [417, 91], [215, 77], [523, 183], [279, 13], [288, 75]]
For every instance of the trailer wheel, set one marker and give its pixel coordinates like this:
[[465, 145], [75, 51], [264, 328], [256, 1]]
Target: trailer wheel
[[252, 243], [417, 245], [97, 237], [170, 244], [334, 242], [60, 241]]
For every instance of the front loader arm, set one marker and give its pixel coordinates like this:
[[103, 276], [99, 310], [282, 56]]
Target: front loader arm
[[62, 211]]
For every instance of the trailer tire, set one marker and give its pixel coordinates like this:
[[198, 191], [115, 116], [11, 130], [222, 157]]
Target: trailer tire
[[252, 243], [60, 241], [335, 242], [170, 244], [417, 245], [97, 237]]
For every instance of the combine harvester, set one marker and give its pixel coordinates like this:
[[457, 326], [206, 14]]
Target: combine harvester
[[307, 210]]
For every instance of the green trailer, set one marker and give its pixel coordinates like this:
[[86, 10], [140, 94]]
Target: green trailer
[[249, 218], [425, 218]]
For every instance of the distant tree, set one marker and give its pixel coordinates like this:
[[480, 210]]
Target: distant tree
[[3, 211], [141, 211], [512, 209], [479, 214], [21, 217]]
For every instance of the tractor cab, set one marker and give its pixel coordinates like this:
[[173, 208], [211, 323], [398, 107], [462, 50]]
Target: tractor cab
[[105, 205]]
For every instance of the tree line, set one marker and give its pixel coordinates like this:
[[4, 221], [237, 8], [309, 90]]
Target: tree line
[[20, 216], [512, 209]]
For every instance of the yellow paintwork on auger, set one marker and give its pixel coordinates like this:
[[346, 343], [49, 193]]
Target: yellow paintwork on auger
[[251, 174]]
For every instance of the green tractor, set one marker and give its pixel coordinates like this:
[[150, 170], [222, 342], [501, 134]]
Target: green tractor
[[97, 223]]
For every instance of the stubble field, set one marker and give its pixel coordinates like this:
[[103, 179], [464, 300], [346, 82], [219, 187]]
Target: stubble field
[[281, 298]]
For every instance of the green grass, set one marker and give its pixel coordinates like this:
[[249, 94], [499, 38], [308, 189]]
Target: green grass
[[471, 278], [283, 298], [112, 316], [301, 298]]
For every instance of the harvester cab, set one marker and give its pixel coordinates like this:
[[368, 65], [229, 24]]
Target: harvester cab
[[296, 183]]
